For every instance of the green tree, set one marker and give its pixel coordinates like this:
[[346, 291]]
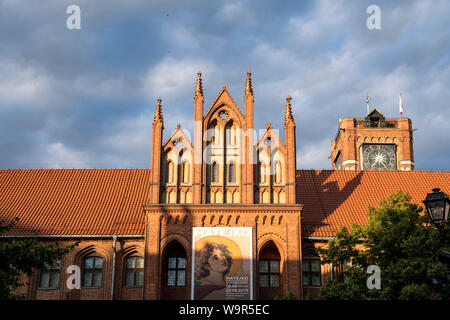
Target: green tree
[[288, 296], [401, 242], [23, 256]]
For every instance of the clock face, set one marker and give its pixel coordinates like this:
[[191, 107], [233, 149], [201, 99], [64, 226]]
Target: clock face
[[379, 157]]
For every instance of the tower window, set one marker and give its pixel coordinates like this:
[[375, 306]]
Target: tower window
[[338, 161], [185, 172], [169, 171], [214, 172], [375, 122], [231, 172], [262, 176], [277, 172]]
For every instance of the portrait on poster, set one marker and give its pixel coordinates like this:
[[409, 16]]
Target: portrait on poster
[[222, 264]]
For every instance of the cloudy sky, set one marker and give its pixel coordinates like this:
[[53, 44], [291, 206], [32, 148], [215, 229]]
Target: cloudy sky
[[85, 98]]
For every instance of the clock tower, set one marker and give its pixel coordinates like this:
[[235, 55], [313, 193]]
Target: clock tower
[[373, 143]]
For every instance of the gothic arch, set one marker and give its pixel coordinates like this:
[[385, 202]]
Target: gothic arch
[[174, 248], [268, 253], [91, 250]]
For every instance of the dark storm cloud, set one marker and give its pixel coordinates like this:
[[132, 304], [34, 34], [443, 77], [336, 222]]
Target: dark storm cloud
[[85, 98]]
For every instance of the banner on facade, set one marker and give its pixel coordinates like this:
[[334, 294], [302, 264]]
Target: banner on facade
[[222, 264]]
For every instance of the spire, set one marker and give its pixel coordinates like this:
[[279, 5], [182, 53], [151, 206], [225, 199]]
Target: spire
[[288, 115], [199, 85], [158, 112], [248, 84]]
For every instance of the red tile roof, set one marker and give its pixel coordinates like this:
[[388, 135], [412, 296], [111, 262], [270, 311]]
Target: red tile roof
[[75, 201], [109, 201], [334, 198]]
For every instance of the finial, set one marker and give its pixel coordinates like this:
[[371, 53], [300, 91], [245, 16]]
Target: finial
[[224, 86], [158, 111], [288, 116], [178, 125], [269, 125], [199, 84], [248, 83]]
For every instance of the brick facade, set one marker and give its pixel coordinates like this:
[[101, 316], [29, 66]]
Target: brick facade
[[226, 177]]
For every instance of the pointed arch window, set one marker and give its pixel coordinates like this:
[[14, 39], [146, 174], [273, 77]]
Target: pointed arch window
[[214, 172], [185, 172], [169, 171], [215, 135], [262, 176], [230, 133], [269, 267], [231, 177], [277, 172]]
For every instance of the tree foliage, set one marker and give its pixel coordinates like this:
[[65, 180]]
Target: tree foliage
[[401, 242], [23, 256], [289, 296]]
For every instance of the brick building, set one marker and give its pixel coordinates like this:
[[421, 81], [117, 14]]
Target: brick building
[[135, 226]]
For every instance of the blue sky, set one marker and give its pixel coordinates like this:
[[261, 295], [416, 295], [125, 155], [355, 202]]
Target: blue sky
[[85, 98]]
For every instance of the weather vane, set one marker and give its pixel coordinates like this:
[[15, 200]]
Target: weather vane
[[368, 99]]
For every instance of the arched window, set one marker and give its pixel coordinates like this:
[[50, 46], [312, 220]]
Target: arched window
[[214, 172], [262, 176], [92, 272], [230, 133], [174, 266], [277, 172], [134, 271], [185, 172], [215, 135], [231, 172], [170, 171], [49, 279], [269, 267]]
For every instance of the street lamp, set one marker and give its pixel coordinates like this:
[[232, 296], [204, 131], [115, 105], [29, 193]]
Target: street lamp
[[438, 206]]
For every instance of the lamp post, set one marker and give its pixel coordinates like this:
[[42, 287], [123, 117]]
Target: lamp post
[[438, 206]]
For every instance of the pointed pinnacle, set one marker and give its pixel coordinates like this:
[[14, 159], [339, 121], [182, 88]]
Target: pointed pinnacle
[[158, 112], [199, 84], [288, 116], [248, 83]]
